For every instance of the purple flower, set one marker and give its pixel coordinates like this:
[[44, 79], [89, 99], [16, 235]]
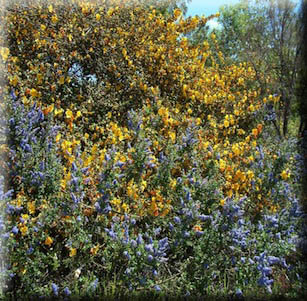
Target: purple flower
[[239, 292], [30, 250], [111, 233], [265, 281], [273, 260], [55, 289], [140, 239], [150, 258], [107, 209], [177, 220], [97, 207], [186, 234], [94, 284], [126, 254], [157, 288], [15, 230], [266, 270], [157, 231], [133, 243], [13, 95], [251, 261], [42, 166], [149, 248], [74, 167], [119, 164], [204, 217], [10, 209], [155, 273], [74, 181], [163, 243], [28, 148], [74, 198], [84, 170], [67, 292]]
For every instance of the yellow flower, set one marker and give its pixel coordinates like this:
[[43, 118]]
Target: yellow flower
[[98, 17], [116, 202], [58, 137], [222, 202], [73, 252], [33, 92], [62, 80], [54, 19], [58, 111], [236, 150], [14, 80], [255, 132], [4, 53], [110, 11], [94, 250], [48, 242], [250, 174], [251, 108], [229, 194], [284, 175], [50, 8], [173, 183], [31, 207], [49, 109], [24, 230], [69, 114], [222, 165], [125, 207], [79, 114], [25, 216], [197, 228], [143, 185], [172, 135], [177, 13]]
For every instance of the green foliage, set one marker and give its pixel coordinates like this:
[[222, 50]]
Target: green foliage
[[161, 176], [266, 33]]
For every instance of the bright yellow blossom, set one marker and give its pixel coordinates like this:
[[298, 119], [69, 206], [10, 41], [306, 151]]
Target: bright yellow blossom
[[73, 252], [48, 241]]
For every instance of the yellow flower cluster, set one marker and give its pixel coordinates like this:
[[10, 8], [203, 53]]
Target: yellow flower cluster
[[147, 65]]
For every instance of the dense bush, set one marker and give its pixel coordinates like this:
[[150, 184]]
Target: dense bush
[[156, 174]]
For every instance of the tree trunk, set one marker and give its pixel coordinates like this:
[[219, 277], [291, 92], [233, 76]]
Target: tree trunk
[[286, 115]]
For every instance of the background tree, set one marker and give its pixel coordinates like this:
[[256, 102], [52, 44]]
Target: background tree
[[265, 33], [302, 86]]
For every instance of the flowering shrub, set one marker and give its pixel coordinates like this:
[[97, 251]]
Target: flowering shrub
[[157, 175]]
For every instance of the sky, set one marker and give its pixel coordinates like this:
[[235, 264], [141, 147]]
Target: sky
[[207, 7], [210, 7]]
